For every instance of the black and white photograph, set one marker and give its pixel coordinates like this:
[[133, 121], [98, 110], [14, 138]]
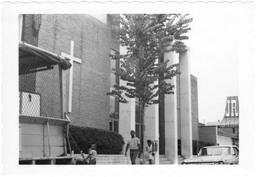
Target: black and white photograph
[[162, 88]]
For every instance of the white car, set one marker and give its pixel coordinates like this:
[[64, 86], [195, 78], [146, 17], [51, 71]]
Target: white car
[[224, 154]]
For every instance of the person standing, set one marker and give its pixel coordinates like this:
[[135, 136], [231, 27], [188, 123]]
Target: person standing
[[149, 151], [134, 145]]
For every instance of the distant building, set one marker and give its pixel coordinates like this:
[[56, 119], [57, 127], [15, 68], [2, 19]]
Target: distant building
[[231, 116], [226, 131], [230, 122], [214, 135]]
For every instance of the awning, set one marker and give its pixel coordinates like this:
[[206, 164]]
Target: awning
[[34, 59], [229, 122]]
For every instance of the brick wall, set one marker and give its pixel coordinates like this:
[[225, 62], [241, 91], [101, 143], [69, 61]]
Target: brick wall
[[92, 43], [27, 81]]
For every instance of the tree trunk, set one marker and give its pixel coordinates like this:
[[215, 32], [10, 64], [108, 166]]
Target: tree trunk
[[142, 109]]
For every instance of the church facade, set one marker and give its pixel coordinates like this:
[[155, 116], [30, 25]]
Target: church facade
[[87, 41]]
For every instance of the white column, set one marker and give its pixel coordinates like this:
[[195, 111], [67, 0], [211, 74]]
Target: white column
[[126, 118], [151, 119], [171, 139], [185, 106]]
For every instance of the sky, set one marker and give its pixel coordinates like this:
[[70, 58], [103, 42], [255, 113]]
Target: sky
[[215, 51], [221, 58], [215, 47]]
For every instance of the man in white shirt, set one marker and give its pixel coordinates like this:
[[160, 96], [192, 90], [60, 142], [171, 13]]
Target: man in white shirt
[[134, 145]]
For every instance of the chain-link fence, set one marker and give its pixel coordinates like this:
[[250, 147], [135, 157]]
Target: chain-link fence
[[40, 93]]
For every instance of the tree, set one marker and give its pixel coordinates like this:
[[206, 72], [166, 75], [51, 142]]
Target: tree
[[146, 38]]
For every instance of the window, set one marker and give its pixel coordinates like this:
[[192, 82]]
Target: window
[[113, 125], [110, 126], [114, 105]]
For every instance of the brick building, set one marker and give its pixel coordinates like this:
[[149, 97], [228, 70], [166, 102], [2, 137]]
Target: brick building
[[88, 39]]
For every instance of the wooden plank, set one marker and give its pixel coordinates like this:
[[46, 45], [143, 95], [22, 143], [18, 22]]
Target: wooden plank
[[48, 135], [44, 141], [38, 139], [37, 151], [57, 151], [55, 140], [56, 130], [31, 140], [35, 129], [31, 151], [30, 143]]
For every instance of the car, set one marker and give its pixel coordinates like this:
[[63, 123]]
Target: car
[[221, 154]]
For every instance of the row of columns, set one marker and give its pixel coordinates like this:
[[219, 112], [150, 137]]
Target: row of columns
[[127, 114]]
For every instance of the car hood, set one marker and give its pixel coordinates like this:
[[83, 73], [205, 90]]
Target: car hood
[[206, 159]]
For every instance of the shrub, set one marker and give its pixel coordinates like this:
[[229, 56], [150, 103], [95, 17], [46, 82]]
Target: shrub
[[107, 142]]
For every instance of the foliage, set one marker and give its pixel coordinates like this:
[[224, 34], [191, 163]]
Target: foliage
[[145, 74], [146, 38], [107, 142]]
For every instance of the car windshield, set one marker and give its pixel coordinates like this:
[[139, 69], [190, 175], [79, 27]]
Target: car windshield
[[215, 151]]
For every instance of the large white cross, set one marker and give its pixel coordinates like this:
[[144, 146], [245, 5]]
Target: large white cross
[[72, 59]]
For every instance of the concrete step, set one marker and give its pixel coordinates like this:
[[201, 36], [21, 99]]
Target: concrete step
[[164, 160], [104, 159]]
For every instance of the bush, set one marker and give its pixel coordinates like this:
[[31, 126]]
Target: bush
[[107, 142]]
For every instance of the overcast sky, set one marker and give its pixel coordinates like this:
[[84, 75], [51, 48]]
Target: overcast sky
[[216, 42]]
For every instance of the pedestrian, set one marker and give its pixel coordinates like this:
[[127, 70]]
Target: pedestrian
[[134, 145], [149, 151], [91, 158]]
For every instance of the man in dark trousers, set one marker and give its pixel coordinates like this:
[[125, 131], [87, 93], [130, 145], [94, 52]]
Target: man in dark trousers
[[134, 145]]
